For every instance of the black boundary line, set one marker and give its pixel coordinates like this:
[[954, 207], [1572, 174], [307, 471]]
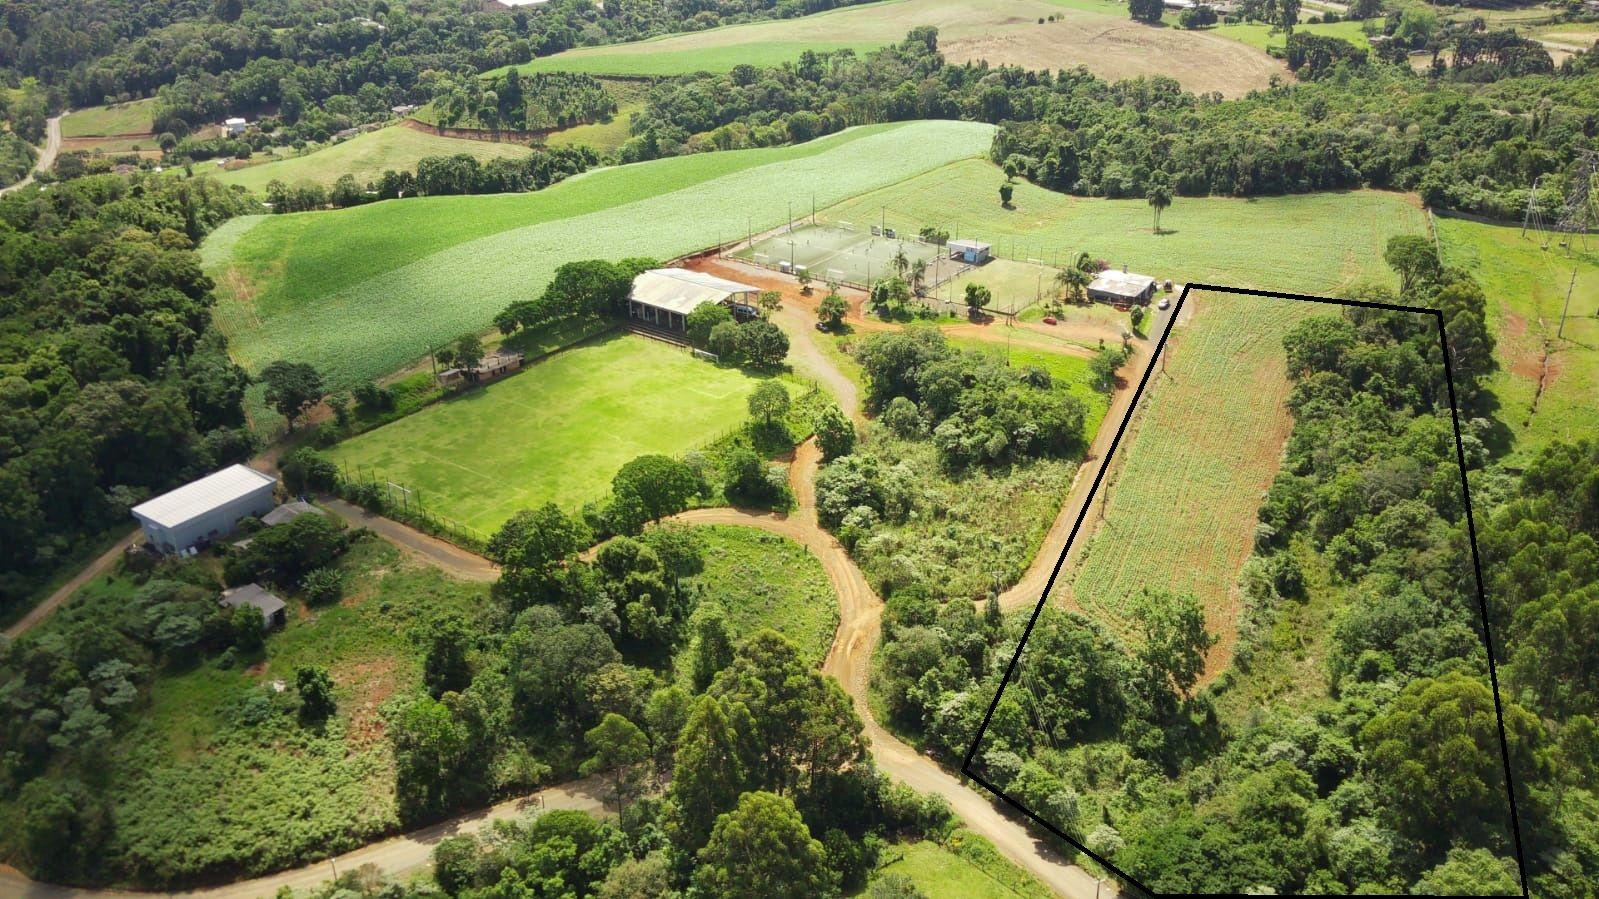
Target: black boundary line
[[1104, 465]]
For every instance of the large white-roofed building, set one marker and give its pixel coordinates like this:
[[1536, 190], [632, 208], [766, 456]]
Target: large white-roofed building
[[205, 510], [1121, 287], [663, 297]]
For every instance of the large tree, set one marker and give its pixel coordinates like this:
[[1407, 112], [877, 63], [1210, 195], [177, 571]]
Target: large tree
[[708, 772], [763, 850], [619, 750], [650, 487], [291, 387]]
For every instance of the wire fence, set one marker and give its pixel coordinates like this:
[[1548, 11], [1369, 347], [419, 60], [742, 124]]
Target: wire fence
[[371, 490]]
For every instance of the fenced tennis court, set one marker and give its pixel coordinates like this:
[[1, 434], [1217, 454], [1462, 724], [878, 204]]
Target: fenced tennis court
[[839, 252]]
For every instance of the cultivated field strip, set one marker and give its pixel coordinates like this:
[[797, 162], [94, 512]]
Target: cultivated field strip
[[1180, 508], [384, 321]]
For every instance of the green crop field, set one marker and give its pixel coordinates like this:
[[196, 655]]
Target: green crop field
[[1180, 506], [761, 581], [359, 292], [1526, 287], [1260, 36], [1092, 33], [366, 156], [556, 432], [1304, 244], [97, 121]]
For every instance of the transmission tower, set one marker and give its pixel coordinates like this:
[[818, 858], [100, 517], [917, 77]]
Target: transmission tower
[[1578, 218], [1533, 218]]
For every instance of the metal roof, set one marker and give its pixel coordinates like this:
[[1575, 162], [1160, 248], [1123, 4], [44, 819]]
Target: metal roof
[[253, 594], [288, 512], [682, 291], [1122, 284], [196, 498], [964, 244]]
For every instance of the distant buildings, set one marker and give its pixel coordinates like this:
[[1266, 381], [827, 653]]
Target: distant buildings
[[235, 126], [202, 511], [1121, 287], [663, 297], [403, 109], [490, 367]]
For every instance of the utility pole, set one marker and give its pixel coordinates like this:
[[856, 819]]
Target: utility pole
[[1566, 308]]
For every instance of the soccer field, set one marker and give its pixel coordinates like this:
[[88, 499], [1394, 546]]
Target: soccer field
[[844, 254], [556, 432]]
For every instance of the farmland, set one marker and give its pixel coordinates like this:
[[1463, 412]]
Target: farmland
[[358, 292], [1091, 33], [1178, 510], [762, 580], [1260, 35], [556, 432], [1547, 384], [103, 121], [366, 156], [1259, 242]]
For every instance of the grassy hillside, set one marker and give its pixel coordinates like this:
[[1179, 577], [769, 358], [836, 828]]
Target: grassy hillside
[[1547, 384], [366, 156], [557, 432], [1092, 33], [1259, 35], [1179, 512], [97, 121], [359, 292], [1306, 244]]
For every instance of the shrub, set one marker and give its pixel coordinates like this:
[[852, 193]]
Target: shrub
[[322, 586]]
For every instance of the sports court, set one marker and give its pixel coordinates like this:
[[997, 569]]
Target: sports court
[[840, 252]]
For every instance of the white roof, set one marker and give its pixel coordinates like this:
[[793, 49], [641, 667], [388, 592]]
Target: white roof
[[682, 291], [234, 121], [199, 497], [965, 244], [1126, 284]]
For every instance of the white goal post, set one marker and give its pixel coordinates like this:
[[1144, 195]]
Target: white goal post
[[705, 354]]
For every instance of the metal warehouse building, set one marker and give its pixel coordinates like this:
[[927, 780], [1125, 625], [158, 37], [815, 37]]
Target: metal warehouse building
[[205, 510]]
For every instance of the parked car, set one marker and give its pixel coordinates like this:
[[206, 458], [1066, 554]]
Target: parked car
[[1165, 302], [822, 326], [1049, 319]]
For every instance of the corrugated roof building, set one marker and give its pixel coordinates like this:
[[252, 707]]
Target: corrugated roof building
[[205, 510], [1112, 286], [662, 297]]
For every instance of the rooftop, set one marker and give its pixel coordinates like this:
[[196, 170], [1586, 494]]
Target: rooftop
[[288, 512], [253, 594], [682, 291], [196, 498], [1127, 284], [967, 244]]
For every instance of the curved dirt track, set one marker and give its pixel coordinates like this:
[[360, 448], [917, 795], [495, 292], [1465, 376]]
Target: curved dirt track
[[849, 661], [47, 155]]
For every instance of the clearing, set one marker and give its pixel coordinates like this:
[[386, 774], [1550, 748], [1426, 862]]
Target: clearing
[[966, 867], [1262, 37], [132, 118], [358, 292], [1178, 508], [1260, 242], [1095, 34], [1547, 385], [366, 156], [763, 580], [556, 432]]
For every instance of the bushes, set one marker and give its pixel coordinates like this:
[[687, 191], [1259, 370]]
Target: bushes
[[757, 342], [287, 552]]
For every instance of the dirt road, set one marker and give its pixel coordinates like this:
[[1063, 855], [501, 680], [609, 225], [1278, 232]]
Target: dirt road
[[47, 156], [452, 559], [394, 856], [94, 569]]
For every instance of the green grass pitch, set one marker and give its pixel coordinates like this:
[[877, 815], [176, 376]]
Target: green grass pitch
[[556, 432], [831, 252]]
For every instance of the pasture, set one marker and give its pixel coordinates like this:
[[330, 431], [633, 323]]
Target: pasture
[[1095, 34], [358, 292], [1261, 36], [104, 121], [967, 868], [1177, 510], [1309, 243], [557, 432], [849, 255], [1547, 384], [366, 156], [760, 581]]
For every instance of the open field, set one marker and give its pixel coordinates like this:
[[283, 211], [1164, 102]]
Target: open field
[[1015, 285], [358, 292], [1260, 36], [849, 255], [102, 121], [762, 580], [1547, 385], [1306, 243], [971, 870], [557, 432], [1178, 511], [1096, 34], [366, 156]]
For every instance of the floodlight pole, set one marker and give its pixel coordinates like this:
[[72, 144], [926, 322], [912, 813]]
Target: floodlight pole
[[791, 216]]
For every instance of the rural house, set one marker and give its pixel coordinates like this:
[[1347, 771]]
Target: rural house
[[488, 368], [235, 126], [253, 594], [204, 510], [974, 252], [663, 297], [1121, 288]]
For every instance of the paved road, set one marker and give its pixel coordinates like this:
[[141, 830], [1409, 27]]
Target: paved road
[[47, 156], [395, 856]]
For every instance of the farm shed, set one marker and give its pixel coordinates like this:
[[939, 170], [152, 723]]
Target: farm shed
[[288, 512], [1121, 287], [203, 510], [235, 126], [663, 297], [253, 594], [973, 251], [490, 367]]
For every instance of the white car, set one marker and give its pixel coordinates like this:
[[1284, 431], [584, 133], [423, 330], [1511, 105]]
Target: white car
[[1164, 302]]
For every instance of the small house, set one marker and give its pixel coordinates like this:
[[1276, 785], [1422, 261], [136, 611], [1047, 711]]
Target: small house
[[235, 126], [972, 252], [204, 510], [288, 512], [663, 297], [258, 597], [403, 109], [1122, 288]]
